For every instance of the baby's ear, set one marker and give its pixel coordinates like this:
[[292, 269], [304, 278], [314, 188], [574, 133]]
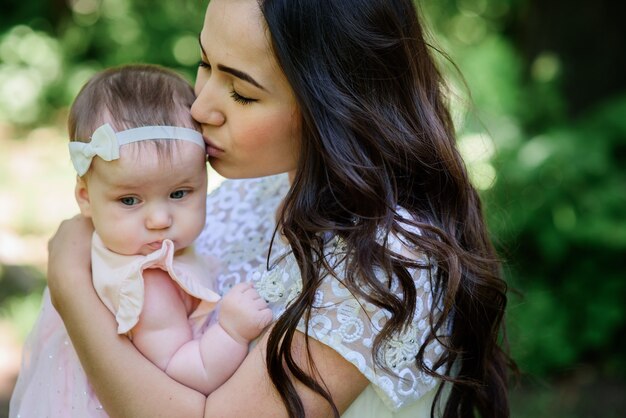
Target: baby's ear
[[82, 197]]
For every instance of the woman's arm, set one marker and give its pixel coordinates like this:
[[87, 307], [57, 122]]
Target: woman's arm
[[250, 392], [128, 384]]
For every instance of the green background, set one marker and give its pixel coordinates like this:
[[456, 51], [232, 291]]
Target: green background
[[543, 133]]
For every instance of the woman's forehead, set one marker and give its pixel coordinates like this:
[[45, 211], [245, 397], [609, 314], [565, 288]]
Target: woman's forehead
[[235, 35], [234, 25]]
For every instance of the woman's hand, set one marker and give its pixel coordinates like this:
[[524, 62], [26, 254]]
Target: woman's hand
[[69, 258]]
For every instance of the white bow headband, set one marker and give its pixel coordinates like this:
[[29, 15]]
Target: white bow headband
[[106, 143]]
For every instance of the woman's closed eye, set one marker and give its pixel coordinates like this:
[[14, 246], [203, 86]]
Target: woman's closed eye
[[204, 64], [241, 99]]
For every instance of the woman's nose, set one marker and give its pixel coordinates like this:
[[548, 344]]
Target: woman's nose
[[205, 109], [158, 218]]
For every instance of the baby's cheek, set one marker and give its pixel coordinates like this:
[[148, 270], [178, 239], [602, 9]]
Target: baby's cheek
[[119, 236], [197, 219], [119, 243]]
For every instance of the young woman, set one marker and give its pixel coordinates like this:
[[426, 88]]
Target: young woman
[[352, 214]]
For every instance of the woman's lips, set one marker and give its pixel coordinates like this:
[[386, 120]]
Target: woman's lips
[[212, 150]]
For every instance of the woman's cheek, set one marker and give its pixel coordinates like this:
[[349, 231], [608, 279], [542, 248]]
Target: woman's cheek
[[256, 137]]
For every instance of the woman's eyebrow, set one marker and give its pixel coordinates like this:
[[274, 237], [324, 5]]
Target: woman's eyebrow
[[240, 74], [233, 71]]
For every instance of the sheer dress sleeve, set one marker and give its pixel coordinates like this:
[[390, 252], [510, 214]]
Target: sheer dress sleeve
[[348, 324]]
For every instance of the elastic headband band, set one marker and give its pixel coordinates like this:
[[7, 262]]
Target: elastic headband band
[[105, 142]]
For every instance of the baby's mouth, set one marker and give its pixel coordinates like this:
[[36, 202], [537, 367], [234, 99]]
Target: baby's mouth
[[155, 245]]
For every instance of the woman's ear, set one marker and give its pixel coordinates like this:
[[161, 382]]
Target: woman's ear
[[82, 197]]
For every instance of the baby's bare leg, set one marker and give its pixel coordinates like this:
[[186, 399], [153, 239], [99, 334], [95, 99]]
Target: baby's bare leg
[[163, 327]]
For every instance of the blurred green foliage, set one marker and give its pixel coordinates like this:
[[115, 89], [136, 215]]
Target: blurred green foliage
[[49, 49], [559, 208], [556, 200], [544, 136]]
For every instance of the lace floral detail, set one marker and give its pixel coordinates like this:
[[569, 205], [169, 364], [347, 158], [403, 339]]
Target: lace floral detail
[[279, 285], [240, 226], [401, 350], [271, 287]]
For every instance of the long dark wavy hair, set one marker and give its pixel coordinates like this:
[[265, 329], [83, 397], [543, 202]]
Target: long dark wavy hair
[[377, 135]]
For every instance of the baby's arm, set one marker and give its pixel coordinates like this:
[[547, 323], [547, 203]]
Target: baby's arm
[[224, 345], [163, 327]]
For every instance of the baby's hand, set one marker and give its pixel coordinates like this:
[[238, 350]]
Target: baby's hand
[[243, 313]]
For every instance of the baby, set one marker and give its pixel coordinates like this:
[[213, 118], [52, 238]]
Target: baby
[[142, 179]]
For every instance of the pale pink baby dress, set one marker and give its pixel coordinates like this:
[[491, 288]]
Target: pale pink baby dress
[[118, 280], [52, 382]]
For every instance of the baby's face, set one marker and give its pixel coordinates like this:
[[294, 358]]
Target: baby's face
[[142, 198]]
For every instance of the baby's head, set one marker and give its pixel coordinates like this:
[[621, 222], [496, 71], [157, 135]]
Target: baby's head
[[139, 186]]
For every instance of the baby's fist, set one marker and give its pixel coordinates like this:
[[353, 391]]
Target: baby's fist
[[243, 313]]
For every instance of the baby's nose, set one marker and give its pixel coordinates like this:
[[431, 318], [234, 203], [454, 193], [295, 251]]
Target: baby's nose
[[158, 218]]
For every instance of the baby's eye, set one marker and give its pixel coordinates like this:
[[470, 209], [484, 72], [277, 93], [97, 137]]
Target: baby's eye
[[179, 194], [129, 200]]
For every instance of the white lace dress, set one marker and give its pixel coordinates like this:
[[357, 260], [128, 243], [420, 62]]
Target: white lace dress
[[240, 225]]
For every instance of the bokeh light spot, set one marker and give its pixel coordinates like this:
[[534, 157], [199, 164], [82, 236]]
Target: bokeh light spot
[[564, 218], [186, 50], [476, 147], [469, 28], [124, 30], [482, 175], [477, 151], [535, 152], [545, 67]]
